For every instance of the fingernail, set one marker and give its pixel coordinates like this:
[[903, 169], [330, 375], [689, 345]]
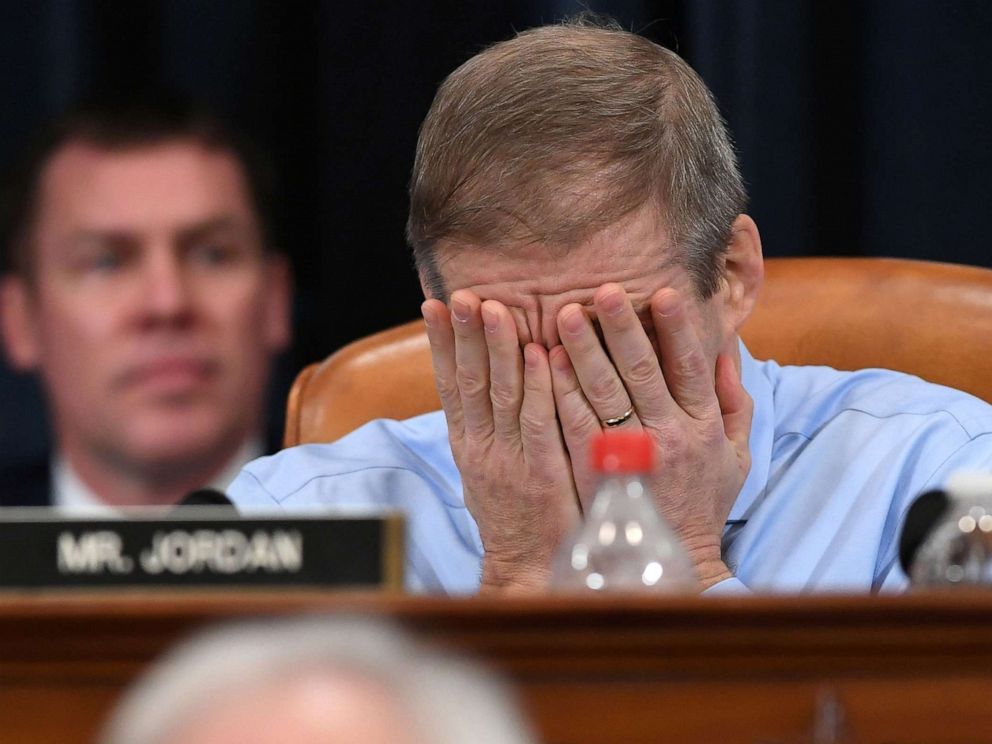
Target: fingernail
[[490, 319], [461, 310], [612, 304], [428, 315], [572, 321]]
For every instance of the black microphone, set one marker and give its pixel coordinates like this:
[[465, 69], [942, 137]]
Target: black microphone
[[920, 520], [206, 497]]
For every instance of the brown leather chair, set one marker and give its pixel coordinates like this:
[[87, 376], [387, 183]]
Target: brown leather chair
[[929, 319]]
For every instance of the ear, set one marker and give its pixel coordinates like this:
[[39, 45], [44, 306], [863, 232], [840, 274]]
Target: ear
[[278, 299], [18, 323], [744, 272]]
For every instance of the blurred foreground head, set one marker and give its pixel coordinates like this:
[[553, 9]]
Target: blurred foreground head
[[314, 681], [141, 286]]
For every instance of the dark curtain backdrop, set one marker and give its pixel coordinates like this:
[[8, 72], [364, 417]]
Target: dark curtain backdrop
[[863, 127]]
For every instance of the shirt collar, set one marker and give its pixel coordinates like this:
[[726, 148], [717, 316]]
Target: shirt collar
[[762, 433], [71, 494]]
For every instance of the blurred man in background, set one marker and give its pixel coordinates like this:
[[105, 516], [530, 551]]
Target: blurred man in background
[[141, 286], [314, 682]]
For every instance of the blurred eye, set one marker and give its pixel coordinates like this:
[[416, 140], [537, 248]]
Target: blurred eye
[[216, 253], [103, 261]]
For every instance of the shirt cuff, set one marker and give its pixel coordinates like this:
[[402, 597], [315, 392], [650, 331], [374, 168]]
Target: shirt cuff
[[728, 587]]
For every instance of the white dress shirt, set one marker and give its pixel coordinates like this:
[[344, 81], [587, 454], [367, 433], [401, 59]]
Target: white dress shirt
[[71, 495]]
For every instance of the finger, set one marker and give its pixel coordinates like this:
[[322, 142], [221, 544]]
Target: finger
[[683, 363], [632, 353], [442, 341], [539, 432], [471, 364], [505, 369], [579, 422], [597, 376], [736, 406]]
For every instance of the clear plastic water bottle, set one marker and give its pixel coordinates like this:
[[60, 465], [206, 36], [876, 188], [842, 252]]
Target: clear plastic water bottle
[[958, 548], [622, 544]]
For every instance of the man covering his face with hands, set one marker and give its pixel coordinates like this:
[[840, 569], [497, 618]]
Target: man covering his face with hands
[[576, 213]]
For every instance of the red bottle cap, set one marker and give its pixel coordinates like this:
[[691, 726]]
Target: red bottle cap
[[623, 452]]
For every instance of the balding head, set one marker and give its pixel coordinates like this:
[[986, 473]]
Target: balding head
[[314, 681]]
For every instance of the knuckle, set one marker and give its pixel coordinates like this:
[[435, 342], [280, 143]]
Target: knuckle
[[539, 457], [475, 479], [470, 382], [478, 430], [505, 428], [533, 426], [543, 475], [713, 436], [571, 402], [446, 388], [605, 387], [453, 417], [670, 441], [689, 364], [456, 443], [588, 346], [475, 452], [643, 370], [503, 395]]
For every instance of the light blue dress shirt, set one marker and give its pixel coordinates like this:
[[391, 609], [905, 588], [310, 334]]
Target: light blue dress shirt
[[836, 459]]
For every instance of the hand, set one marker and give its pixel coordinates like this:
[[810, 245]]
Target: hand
[[699, 418], [500, 408]]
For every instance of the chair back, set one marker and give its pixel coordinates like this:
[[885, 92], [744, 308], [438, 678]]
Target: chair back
[[385, 375], [929, 319]]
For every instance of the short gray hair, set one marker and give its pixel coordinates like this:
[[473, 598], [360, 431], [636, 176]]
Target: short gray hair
[[450, 700], [564, 130]]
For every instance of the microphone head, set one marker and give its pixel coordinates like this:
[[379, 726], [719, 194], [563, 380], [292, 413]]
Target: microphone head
[[921, 517], [206, 497]]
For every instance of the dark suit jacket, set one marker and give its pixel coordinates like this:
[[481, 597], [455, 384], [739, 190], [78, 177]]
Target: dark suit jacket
[[26, 484], [29, 483]]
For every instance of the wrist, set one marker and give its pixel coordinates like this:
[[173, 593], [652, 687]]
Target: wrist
[[706, 555], [712, 572], [501, 578]]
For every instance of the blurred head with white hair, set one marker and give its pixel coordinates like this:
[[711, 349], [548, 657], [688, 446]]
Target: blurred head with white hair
[[314, 681]]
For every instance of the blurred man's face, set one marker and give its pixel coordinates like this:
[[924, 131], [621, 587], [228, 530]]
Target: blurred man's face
[[153, 313]]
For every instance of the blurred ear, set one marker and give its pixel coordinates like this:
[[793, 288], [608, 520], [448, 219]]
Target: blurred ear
[[744, 272], [278, 300], [18, 324]]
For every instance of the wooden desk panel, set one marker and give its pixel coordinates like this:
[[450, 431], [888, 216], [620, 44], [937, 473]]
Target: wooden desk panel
[[905, 669]]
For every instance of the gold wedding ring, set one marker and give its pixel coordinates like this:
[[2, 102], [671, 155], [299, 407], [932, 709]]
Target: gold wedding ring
[[617, 420]]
